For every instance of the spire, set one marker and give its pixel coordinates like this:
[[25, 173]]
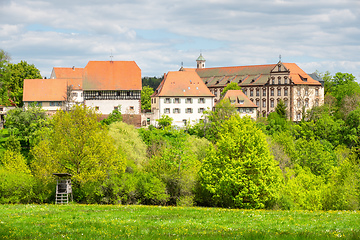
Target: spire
[[200, 61]]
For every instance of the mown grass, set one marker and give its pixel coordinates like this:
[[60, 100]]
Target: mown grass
[[155, 222]]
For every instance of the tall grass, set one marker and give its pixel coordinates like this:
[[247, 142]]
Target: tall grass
[[154, 222]]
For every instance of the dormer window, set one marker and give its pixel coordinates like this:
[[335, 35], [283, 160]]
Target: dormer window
[[217, 82], [241, 101]]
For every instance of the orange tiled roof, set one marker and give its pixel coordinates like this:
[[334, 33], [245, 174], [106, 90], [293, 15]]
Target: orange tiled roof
[[182, 84], [61, 72], [298, 76], [44, 90], [75, 83], [112, 75], [238, 96]]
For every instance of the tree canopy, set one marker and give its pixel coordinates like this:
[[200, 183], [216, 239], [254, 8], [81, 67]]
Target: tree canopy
[[146, 92]]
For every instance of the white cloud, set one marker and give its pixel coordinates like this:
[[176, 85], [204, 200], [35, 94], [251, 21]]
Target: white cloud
[[159, 35]]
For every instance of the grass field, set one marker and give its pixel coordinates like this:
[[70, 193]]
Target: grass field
[[155, 222]]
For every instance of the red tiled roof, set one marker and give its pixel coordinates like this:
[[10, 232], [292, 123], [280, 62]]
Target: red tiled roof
[[61, 72], [297, 75], [112, 75], [182, 84], [44, 90], [238, 96]]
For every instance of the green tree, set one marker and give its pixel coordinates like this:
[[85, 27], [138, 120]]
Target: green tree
[[19, 72], [281, 109], [26, 123], [128, 140], [77, 144], [152, 82], [114, 116], [146, 92], [240, 171], [4, 77], [230, 86], [164, 121]]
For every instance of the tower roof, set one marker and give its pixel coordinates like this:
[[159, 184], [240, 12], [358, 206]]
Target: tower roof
[[200, 58]]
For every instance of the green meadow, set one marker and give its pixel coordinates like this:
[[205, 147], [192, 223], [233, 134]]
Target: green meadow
[[157, 222]]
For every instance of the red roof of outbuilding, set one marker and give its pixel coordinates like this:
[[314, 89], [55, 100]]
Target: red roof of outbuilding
[[238, 96], [112, 75], [62, 72]]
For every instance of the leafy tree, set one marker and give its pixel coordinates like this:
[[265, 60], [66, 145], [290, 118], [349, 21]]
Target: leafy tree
[[128, 140], [240, 171], [26, 123], [146, 92], [4, 76], [19, 72], [164, 121], [114, 116], [281, 109], [78, 145], [209, 128], [230, 86]]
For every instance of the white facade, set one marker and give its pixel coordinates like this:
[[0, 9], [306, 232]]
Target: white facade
[[184, 110], [107, 106]]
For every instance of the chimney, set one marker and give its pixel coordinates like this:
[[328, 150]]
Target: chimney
[[73, 68]]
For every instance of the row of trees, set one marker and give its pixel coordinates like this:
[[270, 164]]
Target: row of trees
[[223, 161]]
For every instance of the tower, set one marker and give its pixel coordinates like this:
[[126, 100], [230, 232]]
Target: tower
[[200, 62]]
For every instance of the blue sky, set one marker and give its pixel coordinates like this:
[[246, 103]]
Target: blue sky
[[159, 35]]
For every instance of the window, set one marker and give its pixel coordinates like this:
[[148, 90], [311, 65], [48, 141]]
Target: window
[[298, 116], [167, 110], [317, 102], [286, 102], [241, 101], [176, 110], [188, 110], [279, 92], [257, 92], [273, 81], [279, 80], [74, 94], [272, 92], [116, 108], [247, 110], [176, 100], [306, 92], [201, 100], [188, 100], [285, 92], [184, 121], [251, 92], [52, 104], [316, 92], [154, 100], [131, 108], [298, 92], [264, 103], [167, 100], [272, 103], [1, 109], [201, 110], [298, 103], [241, 110], [285, 80], [306, 102], [216, 93], [245, 91], [97, 108], [279, 68], [257, 102], [264, 92]]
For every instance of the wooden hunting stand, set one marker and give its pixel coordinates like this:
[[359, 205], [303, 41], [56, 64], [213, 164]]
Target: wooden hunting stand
[[63, 188]]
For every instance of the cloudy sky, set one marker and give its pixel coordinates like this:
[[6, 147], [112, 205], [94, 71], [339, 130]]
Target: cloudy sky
[[159, 35]]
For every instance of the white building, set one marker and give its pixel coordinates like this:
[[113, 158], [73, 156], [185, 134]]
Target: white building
[[103, 85], [183, 96]]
